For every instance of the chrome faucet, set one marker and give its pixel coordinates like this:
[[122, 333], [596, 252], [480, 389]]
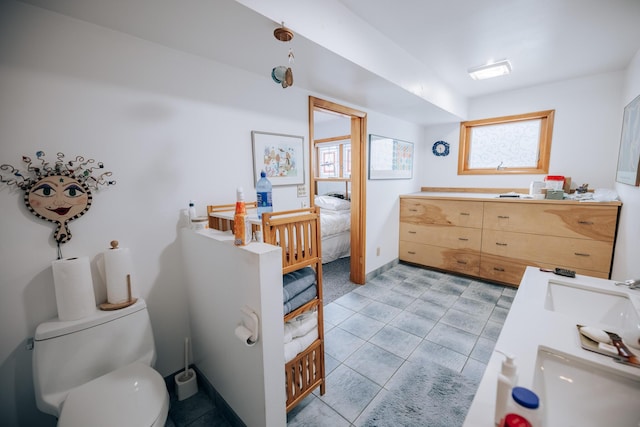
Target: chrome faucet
[[631, 283]]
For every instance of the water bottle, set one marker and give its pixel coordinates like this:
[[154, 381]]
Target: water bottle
[[263, 188]]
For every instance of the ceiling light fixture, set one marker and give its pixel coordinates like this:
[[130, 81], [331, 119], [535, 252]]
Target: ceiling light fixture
[[496, 69]]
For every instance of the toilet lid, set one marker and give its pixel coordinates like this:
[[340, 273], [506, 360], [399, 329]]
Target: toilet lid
[[134, 395]]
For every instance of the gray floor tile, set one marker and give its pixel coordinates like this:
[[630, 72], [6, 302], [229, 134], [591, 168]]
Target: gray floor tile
[[312, 411], [435, 296], [336, 314], [472, 323], [474, 369], [473, 306], [396, 341], [381, 311], [483, 350], [353, 301], [330, 363], [349, 392], [483, 292], [374, 363], [340, 344], [410, 288], [430, 352], [412, 323], [361, 326], [499, 315], [395, 299], [453, 338], [492, 330], [373, 289], [453, 288], [426, 309]]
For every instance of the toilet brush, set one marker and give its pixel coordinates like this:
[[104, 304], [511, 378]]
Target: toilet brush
[[186, 382]]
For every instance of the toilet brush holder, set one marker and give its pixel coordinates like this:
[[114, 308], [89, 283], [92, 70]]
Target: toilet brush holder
[[186, 384]]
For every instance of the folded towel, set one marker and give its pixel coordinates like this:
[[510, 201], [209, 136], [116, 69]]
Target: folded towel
[[300, 299], [298, 345], [297, 281], [300, 325]]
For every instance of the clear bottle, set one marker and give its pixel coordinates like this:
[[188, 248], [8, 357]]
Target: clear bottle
[[507, 379], [192, 212], [264, 193]]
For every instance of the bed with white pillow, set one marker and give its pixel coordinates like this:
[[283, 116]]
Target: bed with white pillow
[[335, 224]]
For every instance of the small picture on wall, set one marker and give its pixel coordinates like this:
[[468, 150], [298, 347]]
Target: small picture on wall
[[280, 156], [390, 158], [629, 155]]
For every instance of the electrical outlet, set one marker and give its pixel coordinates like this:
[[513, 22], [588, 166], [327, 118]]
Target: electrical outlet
[[378, 251]]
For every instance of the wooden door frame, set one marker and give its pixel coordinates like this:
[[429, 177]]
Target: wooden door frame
[[358, 179]]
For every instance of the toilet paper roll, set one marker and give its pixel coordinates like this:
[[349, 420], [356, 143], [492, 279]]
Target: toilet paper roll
[[244, 335], [117, 265], [74, 288]]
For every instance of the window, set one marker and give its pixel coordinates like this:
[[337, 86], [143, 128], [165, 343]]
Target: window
[[506, 145], [334, 158]]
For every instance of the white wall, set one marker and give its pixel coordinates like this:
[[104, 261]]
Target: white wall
[[586, 133], [171, 127], [626, 265]]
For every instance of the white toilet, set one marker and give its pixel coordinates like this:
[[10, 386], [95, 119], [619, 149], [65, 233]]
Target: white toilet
[[97, 371]]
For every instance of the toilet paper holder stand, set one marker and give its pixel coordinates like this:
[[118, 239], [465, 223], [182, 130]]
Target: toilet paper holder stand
[[252, 325]]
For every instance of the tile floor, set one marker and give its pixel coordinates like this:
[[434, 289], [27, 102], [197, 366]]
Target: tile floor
[[407, 315]]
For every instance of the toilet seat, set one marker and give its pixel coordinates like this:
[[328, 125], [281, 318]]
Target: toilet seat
[[134, 395]]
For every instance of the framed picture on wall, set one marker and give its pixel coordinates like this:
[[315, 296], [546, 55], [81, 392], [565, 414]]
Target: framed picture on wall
[[280, 156], [629, 154], [390, 158]]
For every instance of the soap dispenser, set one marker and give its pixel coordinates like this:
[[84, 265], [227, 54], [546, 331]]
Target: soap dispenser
[[507, 379]]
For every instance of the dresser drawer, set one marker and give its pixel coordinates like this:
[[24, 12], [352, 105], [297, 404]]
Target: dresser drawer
[[441, 212], [587, 254], [580, 221], [442, 235], [460, 261]]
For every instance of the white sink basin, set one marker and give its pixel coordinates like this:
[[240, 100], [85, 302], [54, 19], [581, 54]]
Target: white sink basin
[[593, 307], [578, 393]]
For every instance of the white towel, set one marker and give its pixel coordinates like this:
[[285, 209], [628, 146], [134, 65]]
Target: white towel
[[300, 325], [298, 345]]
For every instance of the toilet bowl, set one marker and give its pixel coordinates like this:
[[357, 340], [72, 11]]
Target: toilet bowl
[[98, 370], [132, 396]]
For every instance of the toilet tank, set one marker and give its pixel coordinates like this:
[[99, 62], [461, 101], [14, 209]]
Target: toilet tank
[[68, 354]]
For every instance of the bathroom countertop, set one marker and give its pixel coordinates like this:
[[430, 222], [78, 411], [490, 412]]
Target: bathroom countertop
[[529, 326]]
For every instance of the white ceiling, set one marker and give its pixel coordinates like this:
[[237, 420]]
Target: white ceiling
[[406, 58]]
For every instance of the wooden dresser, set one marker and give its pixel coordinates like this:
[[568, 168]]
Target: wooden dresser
[[494, 238]]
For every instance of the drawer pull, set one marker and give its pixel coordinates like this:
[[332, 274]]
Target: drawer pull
[[411, 252], [412, 232], [501, 244], [461, 262], [585, 222], [503, 216], [413, 210], [464, 239], [498, 269], [465, 213], [581, 254]]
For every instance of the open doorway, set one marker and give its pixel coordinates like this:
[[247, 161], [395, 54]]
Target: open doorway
[[341, 170]]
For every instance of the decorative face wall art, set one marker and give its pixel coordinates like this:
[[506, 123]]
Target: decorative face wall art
[[58, 193]]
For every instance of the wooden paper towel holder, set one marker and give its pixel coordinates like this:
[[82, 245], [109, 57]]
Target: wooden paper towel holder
[[130, 301]]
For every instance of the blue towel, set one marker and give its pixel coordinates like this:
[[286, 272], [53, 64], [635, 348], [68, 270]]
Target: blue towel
[[297, 282], [301, 299]]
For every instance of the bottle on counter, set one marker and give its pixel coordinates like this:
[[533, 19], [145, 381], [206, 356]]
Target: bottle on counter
[[192, 210], [264, 192], [241, 226], [526, 404], [507, 379]]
